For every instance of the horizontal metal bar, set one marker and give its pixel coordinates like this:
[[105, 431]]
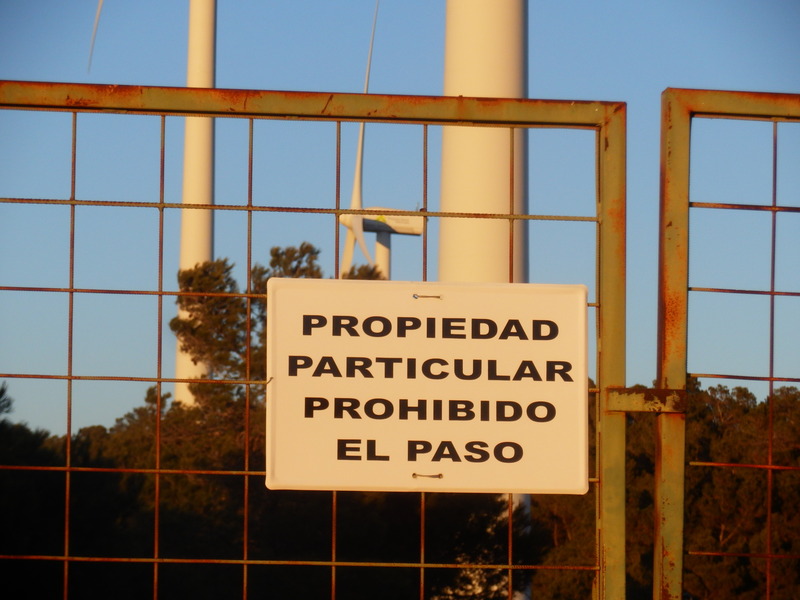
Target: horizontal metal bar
[[153, 380], [736, 291], [132, 470], [741, 554], [304, 105], [305, 563], [127, 292], [757, 207], [295, 209], [697, 463], [744, 377], [730, 104], [154, 471]]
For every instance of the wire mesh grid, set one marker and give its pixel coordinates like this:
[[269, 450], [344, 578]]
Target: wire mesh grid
[[741, 206], [175, 504]]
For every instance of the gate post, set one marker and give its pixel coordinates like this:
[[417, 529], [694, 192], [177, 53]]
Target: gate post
[[611, 366], [673, 281]]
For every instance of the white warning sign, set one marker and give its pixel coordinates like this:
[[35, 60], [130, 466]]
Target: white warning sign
[[401, 386]]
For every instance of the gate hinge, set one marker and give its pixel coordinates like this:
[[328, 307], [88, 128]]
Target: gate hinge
[[645, 400]]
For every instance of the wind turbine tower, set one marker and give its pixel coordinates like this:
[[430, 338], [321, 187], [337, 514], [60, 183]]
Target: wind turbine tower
[[486, 48], [485, 56], [197, 224]]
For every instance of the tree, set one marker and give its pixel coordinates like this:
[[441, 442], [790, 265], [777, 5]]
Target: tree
[[31, 506], [211, 301], [212, 332], [6, 403], [727, 504]]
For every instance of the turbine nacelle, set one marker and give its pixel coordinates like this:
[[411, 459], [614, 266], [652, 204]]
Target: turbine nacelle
[[390, 222], [94, 32], [385, 224], [387, 221]]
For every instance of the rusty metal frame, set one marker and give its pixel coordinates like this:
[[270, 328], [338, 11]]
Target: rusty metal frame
[[607, 119], [679, 107]]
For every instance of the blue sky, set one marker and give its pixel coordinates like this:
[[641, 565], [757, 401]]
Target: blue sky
[[617, 50]]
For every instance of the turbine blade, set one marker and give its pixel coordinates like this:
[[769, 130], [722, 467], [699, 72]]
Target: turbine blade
[[347, 254], [357, 228], [355, 197], [94, 33], [355, 224], [371, 43]]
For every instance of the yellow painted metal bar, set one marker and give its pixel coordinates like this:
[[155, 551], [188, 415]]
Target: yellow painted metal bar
[[301, 105], [672, 318], [732, 105], [611, 343]]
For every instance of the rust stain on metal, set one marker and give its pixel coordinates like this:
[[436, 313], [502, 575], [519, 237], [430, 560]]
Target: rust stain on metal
[[646, 400], [672, 326], [617, 215], [325, 110]]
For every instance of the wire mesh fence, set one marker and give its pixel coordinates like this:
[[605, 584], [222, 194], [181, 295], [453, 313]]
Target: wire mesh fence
[[109, 484], [733, 181]]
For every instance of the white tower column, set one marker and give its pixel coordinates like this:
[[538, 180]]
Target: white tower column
[[197, 225], [485, 56]]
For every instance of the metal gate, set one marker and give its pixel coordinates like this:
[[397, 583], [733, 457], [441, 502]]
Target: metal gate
[[67, 552], [743, 152]]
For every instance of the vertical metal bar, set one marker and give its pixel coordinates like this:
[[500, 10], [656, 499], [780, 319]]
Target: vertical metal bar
[[672, 343], [248, 377], [611, 148], [159, 372], [598, 406], [422, 545], [510, 535], [425, 202], [511, 198], [70, 339], [334, 502], [336, 271], [338, 200], [598, 533], [771, 391]]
